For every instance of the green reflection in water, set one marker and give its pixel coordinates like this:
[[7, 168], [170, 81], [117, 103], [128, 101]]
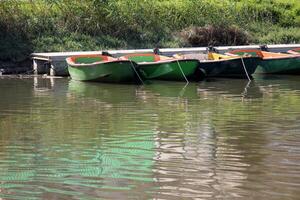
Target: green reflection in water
[[213, 139], [75, 139]]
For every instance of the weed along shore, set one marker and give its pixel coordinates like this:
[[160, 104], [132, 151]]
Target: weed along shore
[[63, 26]]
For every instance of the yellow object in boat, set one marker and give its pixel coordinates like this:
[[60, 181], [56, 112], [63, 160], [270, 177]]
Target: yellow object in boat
[[217, 56]]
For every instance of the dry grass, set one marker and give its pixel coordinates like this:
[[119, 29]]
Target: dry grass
[[215, 36]]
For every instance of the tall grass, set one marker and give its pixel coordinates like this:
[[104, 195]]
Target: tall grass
[[65, 25]]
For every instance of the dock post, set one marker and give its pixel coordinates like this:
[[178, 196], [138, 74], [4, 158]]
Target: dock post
[[40, 67]]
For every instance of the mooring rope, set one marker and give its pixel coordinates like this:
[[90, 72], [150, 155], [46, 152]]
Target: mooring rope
[[181, 93], [132, 65], [245, 69], [182, 72], [244, 93]]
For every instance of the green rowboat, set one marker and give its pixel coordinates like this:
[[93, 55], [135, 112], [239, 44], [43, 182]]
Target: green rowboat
[[103, 69], [273, 63], [153, 66]]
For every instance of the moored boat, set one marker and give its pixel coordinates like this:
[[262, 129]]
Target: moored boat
[[294, 51], [103, 69], [272, 63], [153, 66], [218, 65]]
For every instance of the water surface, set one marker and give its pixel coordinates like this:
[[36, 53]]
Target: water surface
[[217, 139]]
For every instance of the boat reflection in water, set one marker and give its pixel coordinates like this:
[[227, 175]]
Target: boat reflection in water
[[231, 88], [220, 138], [103, 92], [191, 132], [49, 85]]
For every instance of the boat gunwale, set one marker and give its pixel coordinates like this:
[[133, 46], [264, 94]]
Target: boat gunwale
[[283, 57], [260, 54], [230, 59], [73, 64]]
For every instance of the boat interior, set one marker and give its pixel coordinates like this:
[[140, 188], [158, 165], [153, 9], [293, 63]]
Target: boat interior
[[146, 57], [88, 59], [204, 56], [259, 53]]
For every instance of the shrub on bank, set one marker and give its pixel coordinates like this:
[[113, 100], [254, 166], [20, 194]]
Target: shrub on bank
[[215, 36]]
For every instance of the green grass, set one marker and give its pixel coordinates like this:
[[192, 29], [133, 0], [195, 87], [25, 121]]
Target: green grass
[[72, 25]]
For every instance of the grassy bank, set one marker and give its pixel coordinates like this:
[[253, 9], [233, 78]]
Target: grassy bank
[[68, 25]]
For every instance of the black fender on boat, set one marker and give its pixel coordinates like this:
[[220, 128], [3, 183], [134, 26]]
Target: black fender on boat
[[199, 74]]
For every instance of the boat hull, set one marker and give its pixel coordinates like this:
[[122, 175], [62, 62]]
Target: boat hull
[[113, 72], [289, 65], [171, 70], [231, 68]]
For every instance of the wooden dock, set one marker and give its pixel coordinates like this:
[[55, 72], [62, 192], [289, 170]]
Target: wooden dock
[[54, 63]]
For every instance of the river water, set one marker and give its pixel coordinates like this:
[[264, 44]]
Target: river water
[[217, 139]]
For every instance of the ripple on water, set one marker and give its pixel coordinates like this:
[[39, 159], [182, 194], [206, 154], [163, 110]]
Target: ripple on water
[[218, 139]]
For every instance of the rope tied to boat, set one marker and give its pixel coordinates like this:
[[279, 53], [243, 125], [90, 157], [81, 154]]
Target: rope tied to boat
[[132, 65], [182, 71], [245, 69], [244, 93]]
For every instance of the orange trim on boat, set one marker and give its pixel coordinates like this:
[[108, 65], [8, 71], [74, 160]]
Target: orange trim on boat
[[274, 55], [297, 49], [104, 59], [294, 51], [263, 54]]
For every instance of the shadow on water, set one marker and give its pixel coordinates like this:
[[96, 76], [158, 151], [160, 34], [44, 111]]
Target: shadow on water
[[213, 87], [240, 88], [278, 82], [12, 92], [18, 95], [172, 89]]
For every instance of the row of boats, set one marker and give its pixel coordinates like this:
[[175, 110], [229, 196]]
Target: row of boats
[[136, 68]]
